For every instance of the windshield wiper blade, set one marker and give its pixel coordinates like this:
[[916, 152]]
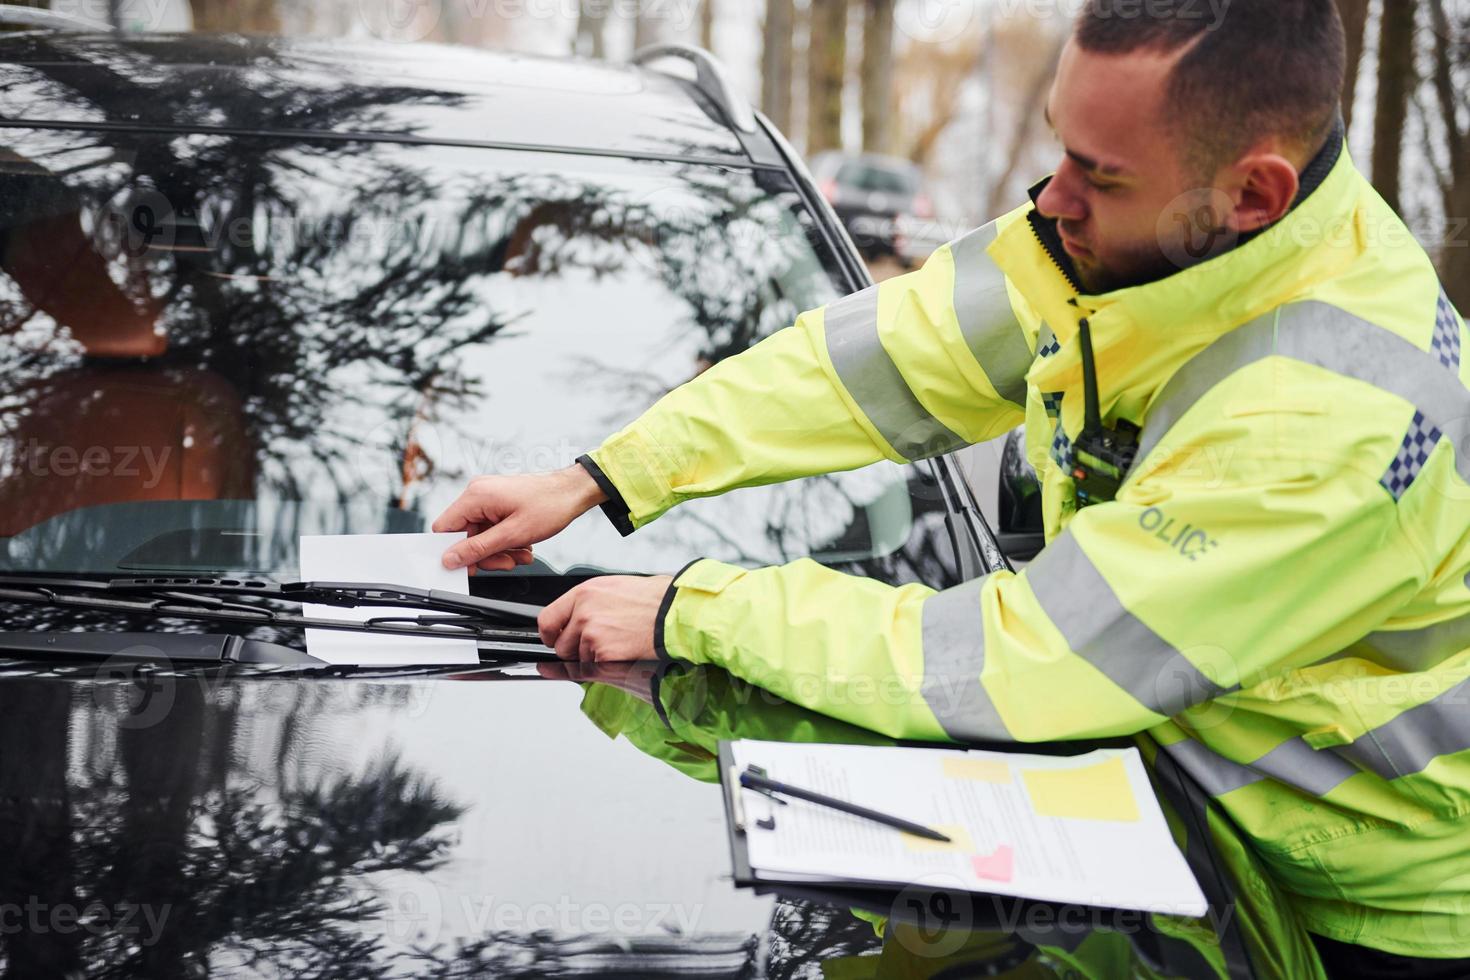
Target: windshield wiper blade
[[347, 594], [169, 648], [94, 594]]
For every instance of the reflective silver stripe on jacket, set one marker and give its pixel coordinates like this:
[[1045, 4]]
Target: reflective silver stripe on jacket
[[1097, 627], [1411, 651], [986, 317], [1331, 338], [1410, 741], [875, 383], [1080, 603], [954, 656], [987, 322], [1217, 774], [1402, 746]]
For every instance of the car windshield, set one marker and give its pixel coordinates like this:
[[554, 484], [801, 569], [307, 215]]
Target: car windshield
[[212, 345]]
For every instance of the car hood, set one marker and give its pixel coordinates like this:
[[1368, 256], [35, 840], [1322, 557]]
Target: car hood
[[173, 823]]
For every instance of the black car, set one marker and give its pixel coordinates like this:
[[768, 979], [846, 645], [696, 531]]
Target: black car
[[882, 203], [256, 289]]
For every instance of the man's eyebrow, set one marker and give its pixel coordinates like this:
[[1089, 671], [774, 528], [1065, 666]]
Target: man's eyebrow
[[1083, 161], [1092, 166]]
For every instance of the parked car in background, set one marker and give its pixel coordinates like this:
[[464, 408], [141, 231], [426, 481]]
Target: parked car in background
[[882, 203]]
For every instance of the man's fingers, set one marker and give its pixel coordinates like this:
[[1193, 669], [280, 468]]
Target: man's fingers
[[608, 619], [456, 517], [502, 562], [517, 556], [553, 619], [506, 560], [569, 643], [482, 546]]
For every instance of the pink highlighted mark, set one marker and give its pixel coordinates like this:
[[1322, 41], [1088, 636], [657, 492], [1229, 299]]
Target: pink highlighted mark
[[998, 866]]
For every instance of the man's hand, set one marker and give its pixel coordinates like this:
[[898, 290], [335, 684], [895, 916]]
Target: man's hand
[[506, 515], [608, 619]]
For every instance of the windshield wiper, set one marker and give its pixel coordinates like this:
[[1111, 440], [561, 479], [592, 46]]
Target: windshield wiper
[[464, 617], [350, 594], [194, 649]]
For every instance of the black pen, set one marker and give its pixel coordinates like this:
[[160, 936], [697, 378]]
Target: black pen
[[752, 780]]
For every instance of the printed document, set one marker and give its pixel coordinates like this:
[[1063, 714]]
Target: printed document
[[1083, 829]]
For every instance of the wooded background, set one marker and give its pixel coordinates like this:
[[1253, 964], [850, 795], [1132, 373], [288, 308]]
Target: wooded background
[[955, 85]]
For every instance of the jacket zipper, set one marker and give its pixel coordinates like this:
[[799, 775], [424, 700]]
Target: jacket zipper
[[1045, 232], [1051, 243]]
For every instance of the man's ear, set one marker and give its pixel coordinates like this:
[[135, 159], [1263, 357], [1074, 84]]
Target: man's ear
[[1266, 184]]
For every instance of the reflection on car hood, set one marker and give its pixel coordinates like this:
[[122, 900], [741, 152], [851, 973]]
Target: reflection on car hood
[[303, 827]]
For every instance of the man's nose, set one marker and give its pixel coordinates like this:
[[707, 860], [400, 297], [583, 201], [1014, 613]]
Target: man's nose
[[1059, 201]]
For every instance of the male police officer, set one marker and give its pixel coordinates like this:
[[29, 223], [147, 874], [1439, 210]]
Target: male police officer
[[1253, 434]]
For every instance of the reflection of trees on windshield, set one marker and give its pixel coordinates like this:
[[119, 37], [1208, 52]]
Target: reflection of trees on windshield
[[713, 247], [232, 876], [234, 248], [305, 287], [722, 247], [203, 235], [332, 321]]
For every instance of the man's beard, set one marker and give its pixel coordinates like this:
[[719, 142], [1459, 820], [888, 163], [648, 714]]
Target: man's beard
[[1155, 259], [1135, 266]]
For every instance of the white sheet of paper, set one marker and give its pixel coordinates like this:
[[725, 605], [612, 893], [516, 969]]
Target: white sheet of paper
[[393, 559], [1122, 857]]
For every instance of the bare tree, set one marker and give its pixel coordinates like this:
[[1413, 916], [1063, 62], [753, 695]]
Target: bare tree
[[1025, 132], [591, 37], [1452, 100], [826, 63], [877, 75], [647, 28], [236, 16], [776, 61], [707, 25], [1396, 80], [939, 72], [1355, 21]]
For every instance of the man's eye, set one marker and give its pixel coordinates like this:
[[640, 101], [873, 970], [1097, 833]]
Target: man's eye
[[1101, 186]]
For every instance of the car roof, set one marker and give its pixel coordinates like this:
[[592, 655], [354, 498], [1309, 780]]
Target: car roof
[[352, 88]]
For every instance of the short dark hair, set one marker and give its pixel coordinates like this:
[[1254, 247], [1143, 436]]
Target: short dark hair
[[1255, 68]]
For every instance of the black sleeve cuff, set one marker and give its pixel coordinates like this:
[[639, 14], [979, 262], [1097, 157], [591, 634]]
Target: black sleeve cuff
[[663, 612], [615, 508]]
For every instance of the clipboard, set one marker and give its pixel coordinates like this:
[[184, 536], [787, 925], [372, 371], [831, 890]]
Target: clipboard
[[916, 905], [735, 825], [734, 818]]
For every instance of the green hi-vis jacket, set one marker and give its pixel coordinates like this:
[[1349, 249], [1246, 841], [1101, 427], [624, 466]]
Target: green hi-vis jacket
[[1278, 594]]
